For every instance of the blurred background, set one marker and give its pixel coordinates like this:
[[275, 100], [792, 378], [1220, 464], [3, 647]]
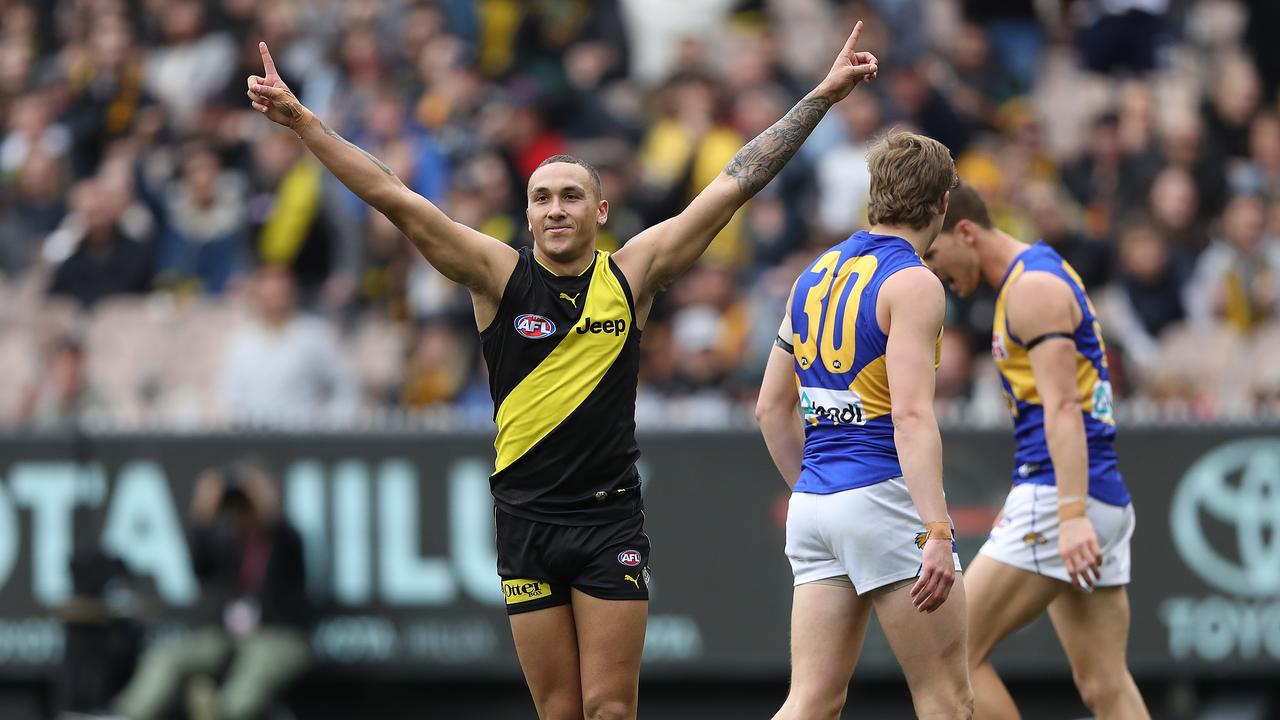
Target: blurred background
[[182, 287]]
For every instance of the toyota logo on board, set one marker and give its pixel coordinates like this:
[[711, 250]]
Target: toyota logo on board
[[1225, 518]]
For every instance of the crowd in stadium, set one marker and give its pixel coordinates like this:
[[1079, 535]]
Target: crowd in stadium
[[169, 258]]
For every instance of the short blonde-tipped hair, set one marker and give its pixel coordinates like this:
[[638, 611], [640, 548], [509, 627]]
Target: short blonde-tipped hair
[[909, 175]]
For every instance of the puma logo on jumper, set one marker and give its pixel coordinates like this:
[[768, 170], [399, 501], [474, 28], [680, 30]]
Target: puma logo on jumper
[[572, 300], [634, 581]]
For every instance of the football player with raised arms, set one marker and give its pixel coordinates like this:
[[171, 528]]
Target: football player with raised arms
[[560, 330]]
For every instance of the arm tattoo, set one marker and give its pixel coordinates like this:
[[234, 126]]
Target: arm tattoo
[[759, 160], [333, 134]]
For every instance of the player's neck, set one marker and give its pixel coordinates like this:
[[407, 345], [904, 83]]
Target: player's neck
[[1000, 251], [920, 239], [568, 267]]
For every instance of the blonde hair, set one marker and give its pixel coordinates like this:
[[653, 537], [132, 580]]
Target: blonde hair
[[909, 175]]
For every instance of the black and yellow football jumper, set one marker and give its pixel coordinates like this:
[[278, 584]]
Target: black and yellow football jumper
[[564, 356]]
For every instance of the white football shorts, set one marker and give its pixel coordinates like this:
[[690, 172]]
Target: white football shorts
[[1026, 537], [868, 534]]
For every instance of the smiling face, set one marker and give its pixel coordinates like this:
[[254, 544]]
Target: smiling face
[[953, 257], [564, 211]]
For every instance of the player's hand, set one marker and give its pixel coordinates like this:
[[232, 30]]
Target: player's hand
[[271, 97], [851, 67], [937, 575], [1078, 546]]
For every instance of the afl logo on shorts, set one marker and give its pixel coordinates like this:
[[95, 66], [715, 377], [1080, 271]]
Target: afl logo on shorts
[[535, 327], [630, 558]]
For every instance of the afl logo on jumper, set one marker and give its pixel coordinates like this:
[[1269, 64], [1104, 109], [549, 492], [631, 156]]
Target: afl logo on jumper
[[535, 327], [630, 558]]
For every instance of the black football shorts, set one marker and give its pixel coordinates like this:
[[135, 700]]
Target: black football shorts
[[540, 562]]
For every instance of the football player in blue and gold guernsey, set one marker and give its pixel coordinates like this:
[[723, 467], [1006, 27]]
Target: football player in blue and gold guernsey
[[560, 330], [1061, 541], [867, 524]]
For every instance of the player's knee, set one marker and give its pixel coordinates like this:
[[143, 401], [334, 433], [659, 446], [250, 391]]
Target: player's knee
[[608, 709], [561, 706], [950, 701], [1099, 689]]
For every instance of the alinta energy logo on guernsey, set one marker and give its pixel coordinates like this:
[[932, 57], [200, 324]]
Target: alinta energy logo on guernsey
[[518, 591], [839, 407], [1225, 523], [535, 327]]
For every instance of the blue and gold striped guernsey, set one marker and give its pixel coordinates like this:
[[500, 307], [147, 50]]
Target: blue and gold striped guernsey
[[840, 364], [1031, 461]]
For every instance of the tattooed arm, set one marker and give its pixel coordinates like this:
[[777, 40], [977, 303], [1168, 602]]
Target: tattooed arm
[[655, 257], [460, 253]]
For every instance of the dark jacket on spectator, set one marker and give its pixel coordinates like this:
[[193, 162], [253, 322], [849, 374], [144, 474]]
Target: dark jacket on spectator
[[123, 266], [217, 556]]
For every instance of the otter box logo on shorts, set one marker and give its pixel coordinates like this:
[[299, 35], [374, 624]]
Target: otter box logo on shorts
[[1230, 500], [535, 327], [518, 591], [630, 558], [839, 407]]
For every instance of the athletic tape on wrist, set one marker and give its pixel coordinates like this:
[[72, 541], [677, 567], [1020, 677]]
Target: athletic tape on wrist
[[1070, 510], [938, 530]]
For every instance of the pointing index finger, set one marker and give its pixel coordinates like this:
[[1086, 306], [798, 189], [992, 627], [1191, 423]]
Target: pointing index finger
[[267, 62], [852, 42]]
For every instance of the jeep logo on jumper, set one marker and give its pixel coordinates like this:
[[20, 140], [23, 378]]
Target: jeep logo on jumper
[[1225, 518], [840, 407], [611, 327]]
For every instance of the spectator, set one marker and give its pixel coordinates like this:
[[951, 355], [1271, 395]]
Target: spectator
[[844, 183], [1106, 180], [106, 261], [63, 397], [1122, 35], [284, 368], [250, 558], [1016, 35], [35, 206], [109, 98], [1237, 279], [1175, 206], [202, 216], [1146, 296]]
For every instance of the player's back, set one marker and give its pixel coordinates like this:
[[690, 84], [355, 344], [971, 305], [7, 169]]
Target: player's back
[[839, 351]]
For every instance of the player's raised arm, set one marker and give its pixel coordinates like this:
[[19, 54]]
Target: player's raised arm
[[915, 304], [666, 250], [461, 254], [1043, 312]]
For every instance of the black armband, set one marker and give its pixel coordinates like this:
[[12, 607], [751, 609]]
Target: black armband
[[1048, 336]]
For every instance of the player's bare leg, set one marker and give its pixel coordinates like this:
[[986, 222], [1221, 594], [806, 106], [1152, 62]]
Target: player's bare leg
[[828, 624], [1002, 599], [930, 647], [1094, 630], [610, 642], [546, 642]]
